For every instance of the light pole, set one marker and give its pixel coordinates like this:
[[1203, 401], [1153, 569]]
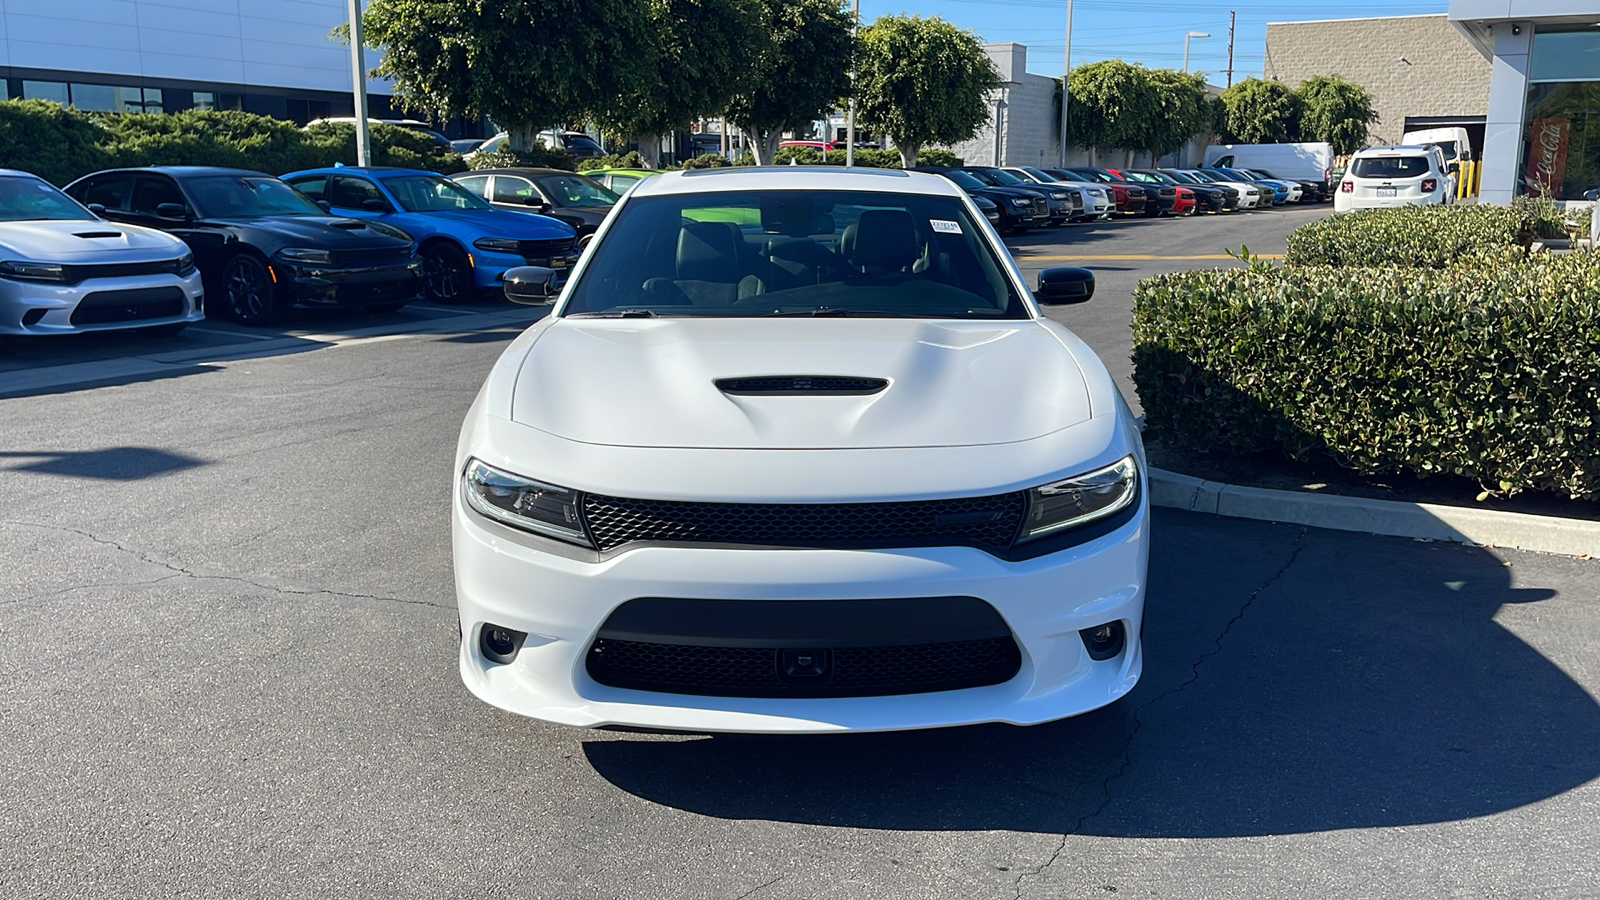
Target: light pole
[[358, 87], [1192, 34], [850, 126], [1066, 73]]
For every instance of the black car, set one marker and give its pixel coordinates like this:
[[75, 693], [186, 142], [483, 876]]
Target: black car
[[1310, 191], [261, 246], [1211, 198], [1019, 209], [575, 199], [1063, 205], [1204, 191], [1131, 198]]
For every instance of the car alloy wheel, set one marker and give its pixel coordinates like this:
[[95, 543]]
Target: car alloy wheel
[[247, 289], [447, 273]]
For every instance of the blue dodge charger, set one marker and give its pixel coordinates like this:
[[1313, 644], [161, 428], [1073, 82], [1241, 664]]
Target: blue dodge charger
[[465, 244]]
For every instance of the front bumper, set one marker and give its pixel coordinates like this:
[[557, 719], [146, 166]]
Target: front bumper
[[331, 286], [503, 578], [100, 304]]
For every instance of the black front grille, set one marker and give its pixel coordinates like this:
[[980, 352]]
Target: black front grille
[[546, 248], [848, 671], [975, 521], [383, 256], [101, 307], [385, 291], [76, 274], [801, 384]]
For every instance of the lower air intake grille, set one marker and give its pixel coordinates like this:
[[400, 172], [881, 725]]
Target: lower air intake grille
[[801, 384], [968, 521], [102, 307], [848, 671]]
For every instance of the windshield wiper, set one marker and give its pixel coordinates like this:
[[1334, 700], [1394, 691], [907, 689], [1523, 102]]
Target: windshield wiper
[[617, 314], [843, 313]]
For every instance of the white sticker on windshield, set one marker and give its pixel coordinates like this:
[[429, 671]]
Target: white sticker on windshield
[[943, 226]]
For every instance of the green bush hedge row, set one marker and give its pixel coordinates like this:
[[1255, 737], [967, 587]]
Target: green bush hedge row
[[866, 158], [1427, 236], [1484, 371], [61, 144]]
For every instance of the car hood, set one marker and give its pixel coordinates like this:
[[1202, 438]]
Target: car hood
[[332, 232], [652, 383], [84, 240], [500, 223]]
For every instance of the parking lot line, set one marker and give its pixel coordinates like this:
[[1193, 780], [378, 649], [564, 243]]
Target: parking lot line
[[235, 334], [1137, 256]]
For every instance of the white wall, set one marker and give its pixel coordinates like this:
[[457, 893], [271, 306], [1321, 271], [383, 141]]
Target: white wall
[[272, 43]]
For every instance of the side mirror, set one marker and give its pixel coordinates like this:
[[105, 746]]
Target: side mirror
[[531, 285], [1065, 284], [174, 211], [325, 206], [538, 202], [98, 209], [374, 205], [1453, 168]]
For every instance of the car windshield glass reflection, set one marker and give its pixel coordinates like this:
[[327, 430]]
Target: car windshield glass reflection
[[575, 190], [796, 253], [28, 199], [965, 180], [233, 196], [428, 193], [1389, 166]]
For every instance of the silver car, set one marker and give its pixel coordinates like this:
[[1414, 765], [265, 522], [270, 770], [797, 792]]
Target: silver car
[[63, 269]]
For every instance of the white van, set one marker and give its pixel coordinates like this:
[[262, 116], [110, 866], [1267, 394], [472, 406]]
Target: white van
[[1454, 142], [1305, 161]]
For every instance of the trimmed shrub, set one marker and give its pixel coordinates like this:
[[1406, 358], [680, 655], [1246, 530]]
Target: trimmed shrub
[[804, 156], [936, 156], [708, 161], [1427, 236], [1488, 372], [629, 160], [540, 157], [391, 146], [56, 143]]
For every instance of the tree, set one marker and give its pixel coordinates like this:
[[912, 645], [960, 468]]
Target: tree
[[799, 74], [1129, 107], [1336, 111], [1185, 111], [526, 64], [923, 81], [1261, 112], [700, 55]]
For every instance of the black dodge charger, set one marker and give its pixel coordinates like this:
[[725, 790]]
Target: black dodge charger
[[261, 246]]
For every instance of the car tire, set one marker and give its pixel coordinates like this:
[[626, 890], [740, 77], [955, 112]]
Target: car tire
[[167, 330], [248, 294], [447, 273]]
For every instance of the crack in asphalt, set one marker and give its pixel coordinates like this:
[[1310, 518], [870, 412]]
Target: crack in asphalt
[[760, 887], [1138, 723], [182, 572]]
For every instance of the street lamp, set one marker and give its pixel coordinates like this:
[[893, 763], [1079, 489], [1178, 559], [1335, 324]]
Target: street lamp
[[358, 88], [1192, 34], [1066, 75], [850, 129]]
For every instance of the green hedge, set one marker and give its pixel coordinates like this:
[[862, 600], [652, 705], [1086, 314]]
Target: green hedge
[[61, 144], [629, 160], [1426, 236], [1484, 371], [708, 161], [938, 156], [540, 157]]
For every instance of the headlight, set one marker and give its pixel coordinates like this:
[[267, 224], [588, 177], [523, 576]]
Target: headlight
[[496, 245], [185, 265], [30, 271], [524, 503], [1076, 501], [1017, 201], [307, 255]]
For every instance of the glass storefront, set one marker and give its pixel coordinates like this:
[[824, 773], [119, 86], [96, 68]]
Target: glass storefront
[[1561, 137]]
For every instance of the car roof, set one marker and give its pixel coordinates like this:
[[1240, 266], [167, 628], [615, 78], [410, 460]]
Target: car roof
[[519, 170], [180, 171], [1393, 149], [810, 178], [18, 173], [374, 171]]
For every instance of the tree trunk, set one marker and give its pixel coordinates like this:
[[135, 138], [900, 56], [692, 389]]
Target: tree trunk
[[765, 145], [650, 149], [908, 153], [521, 138]]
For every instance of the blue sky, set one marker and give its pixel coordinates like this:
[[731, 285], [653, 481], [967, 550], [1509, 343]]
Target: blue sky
[[1145, 31]]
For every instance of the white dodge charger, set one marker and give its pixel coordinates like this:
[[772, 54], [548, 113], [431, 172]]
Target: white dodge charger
[[796, 451], [63, 269]]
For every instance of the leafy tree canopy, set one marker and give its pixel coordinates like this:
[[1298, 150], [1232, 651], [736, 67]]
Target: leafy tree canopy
[[799, 73], [1336, 111], [923, 81], [1261, 112]]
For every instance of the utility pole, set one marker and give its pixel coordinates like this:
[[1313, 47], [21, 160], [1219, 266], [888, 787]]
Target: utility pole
[[850, 128], [1233, 19], [1066, 75], [358, 72]]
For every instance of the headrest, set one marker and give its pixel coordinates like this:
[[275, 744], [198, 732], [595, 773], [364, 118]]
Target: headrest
[[885, 239], [708, 251]]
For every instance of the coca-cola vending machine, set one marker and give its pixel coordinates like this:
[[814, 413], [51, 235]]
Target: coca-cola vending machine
[[1547, 157]]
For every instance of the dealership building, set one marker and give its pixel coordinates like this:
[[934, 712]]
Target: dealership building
[[272, 57]]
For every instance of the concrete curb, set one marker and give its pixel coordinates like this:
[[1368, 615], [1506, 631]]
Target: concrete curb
[[1519, 531]]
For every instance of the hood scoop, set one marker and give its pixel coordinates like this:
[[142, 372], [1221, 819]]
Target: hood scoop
[[801, 386], [97, 234], [349, 224]]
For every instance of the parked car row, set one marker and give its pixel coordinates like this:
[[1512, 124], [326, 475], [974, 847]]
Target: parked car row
[[147, 248]]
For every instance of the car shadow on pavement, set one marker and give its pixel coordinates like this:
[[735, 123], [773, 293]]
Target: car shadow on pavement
[[110, 464], [1296, 681]]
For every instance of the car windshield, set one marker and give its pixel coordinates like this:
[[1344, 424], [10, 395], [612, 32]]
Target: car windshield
[[1141, 177], [576, 190], [1389, 166], [964, 179], [1040, 174], [29, 199], [1003, 177], [1205, 177], [1103, 177], [1182, 177], [430, 193], [235, 196], [795, 253], [1063, 175], [581, 143]]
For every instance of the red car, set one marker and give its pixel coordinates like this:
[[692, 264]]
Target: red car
[[1185, 204], [1131, 198]]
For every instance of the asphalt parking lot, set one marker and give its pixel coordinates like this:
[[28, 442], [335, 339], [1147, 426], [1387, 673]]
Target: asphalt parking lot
[[227, 669]]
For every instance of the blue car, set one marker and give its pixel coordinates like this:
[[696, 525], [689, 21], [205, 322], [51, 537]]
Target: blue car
[[1279, 189], [465, 244]]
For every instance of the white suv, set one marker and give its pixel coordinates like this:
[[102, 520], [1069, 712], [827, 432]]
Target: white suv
[[797, 451], [1394, 176]]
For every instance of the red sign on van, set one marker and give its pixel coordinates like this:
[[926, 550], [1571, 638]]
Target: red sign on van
[[1547, 156]]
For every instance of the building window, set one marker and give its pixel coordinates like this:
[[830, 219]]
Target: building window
[[1565, 53], [1561, 141], [45, 90]]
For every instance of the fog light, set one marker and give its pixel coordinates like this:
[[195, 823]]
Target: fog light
[[1103, 641], [500, 644], [32, 317]]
